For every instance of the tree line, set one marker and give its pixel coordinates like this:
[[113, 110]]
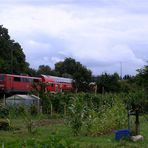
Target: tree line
[[13, 60]]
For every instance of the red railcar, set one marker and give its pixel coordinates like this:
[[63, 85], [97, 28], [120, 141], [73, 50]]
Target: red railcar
[[16, 83], [57, 84], [10, 83]]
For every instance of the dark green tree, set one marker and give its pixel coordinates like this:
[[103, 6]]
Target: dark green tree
[[142, 77], [12, 58], [32, 72], [44, 69], [108, 83], [142, 81], [71, 68]]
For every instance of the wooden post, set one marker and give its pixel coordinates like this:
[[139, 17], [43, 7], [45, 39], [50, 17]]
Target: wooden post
[[137, 122], [3, 146], [103, 90], [38, 105], [41, 109], [61, 88], [65, 109], [51, 110], [4, 97], [129, 128], [96, 89]]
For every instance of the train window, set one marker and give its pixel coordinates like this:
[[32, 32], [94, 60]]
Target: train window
[[27, 80], [30, 80], [24, 80], [2, 77], [17, 79]]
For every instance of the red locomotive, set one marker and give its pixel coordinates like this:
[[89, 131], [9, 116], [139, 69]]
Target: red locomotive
[[10, 83]]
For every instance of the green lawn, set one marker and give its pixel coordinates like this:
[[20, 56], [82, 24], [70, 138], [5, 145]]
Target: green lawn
[[53, 134]]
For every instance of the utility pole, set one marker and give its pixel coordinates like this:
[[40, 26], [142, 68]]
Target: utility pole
[[121, 70]]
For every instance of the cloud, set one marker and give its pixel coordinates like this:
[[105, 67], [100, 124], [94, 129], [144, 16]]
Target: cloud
[[100, 34]]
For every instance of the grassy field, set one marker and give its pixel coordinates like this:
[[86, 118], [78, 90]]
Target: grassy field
[[54, 133]]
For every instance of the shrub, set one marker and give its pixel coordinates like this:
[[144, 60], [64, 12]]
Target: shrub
[[3, 111], [94, 119], [33, 110], [107, 120], [4, 124], [76, 115]]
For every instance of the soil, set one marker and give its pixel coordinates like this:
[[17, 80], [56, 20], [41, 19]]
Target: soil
[[44, 122]]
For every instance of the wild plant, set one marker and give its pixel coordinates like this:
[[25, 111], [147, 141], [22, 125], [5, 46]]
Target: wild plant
[[76, 115]]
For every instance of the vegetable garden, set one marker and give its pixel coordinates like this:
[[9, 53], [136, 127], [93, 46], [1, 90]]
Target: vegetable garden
[[73, 120]]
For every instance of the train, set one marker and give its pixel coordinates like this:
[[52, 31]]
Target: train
[[10, 83]]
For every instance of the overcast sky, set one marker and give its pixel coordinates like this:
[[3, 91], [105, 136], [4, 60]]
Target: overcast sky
[[101, 34]]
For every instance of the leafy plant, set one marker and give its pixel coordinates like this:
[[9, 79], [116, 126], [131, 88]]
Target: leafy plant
[[107, 120], [4, 124], [76, 115], [4, 112], [28, 121]]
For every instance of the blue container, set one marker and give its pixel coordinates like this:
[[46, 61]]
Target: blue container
[[123, 133]]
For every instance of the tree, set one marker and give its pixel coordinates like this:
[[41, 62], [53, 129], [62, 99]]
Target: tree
[[142, 77], [68, 66], [31, 72], [44, 69], [12, 58], [139, 99], [108, 83], [71, 68]]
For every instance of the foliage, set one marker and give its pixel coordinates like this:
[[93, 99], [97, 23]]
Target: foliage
[[28, 121], [60, 134], [108, 83], [59, 142], [142, 77], [44, 69], [4, 124], [33, 110], [76, 115], [25, 113], [95, 115], [31, 72], [126, 86], [11, 54], [15, 112], [3, 111], [108, 120], [136, 100]]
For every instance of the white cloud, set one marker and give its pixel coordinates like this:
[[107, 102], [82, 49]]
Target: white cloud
[[95, 35]]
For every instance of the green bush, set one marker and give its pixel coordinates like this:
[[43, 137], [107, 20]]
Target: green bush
[[16, 111], [33, 110], [3, 111], [106, 120], [94, 120], [76, 115], [4, 124]]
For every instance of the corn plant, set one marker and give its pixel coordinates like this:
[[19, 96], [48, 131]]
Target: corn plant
[[109, 119], [76, 115]]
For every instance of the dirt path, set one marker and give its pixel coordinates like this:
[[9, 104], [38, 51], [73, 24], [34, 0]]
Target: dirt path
[[48, 122]]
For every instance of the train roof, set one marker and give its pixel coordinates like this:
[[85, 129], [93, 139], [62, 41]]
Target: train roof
[[21, 76], [57, 79]]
